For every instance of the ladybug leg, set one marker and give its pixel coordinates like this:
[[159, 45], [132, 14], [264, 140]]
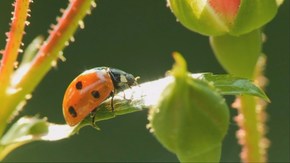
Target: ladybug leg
[[112, 100], [93, 116], [124, 95]]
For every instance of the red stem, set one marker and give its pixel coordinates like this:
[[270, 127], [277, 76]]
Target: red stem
[[14, 37], [60, 34], [48, 54]]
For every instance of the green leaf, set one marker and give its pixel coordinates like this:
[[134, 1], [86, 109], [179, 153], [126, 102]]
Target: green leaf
[[231, 85], [24, 129], [32, 49], [29, 129]]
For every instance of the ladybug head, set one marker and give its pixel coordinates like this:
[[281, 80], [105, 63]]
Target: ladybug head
[[121, 79]]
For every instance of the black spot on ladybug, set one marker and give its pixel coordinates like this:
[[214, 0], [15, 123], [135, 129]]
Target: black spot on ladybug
[[72, 111], [95, 94], [79, 85]]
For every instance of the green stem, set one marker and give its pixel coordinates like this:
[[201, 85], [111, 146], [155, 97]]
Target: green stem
[[47, 55], [252, 110], [250, 133], [14, 37]]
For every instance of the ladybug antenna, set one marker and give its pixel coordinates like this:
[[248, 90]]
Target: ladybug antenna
[[137, 78]]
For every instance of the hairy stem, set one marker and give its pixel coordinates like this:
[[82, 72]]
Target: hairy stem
[[14, 37], [252, 137], [251, 120], [48, 54]]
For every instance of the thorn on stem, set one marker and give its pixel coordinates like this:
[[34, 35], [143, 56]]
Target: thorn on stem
[[28, 96], [54, 63], [58, 19], [81, 24], [94, 4], [72, 39], [62, 10], [52, 26], [20, 50], [27, 23], [7, 34], [49, 31], [16, 64], [61, 57]]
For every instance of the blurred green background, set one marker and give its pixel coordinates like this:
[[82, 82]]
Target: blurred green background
[[139, 37]]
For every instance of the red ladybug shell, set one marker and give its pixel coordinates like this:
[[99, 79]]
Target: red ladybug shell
[[85, 93]]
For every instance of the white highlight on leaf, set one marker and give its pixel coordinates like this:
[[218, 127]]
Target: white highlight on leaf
[[150, 92], [17, 76], [57, 132]]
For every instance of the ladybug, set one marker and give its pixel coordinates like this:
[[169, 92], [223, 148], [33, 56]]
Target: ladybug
[[88, 90]]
